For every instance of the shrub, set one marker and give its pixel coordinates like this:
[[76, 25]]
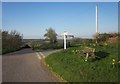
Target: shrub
[[34, 45], [112, 40], [103, 37], [11, 41], [87, 53]]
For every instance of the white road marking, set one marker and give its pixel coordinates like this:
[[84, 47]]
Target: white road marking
[[39, 57], [42, 54]]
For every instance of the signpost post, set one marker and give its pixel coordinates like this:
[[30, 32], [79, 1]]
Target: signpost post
[[65, 34], [65, 37]]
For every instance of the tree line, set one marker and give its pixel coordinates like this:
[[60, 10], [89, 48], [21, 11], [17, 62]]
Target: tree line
[[12, 41]]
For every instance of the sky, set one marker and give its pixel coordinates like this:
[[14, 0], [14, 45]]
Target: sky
[[77, 18], [60, 0]]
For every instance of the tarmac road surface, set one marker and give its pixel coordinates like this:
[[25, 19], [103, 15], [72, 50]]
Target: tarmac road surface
[[24, 66]]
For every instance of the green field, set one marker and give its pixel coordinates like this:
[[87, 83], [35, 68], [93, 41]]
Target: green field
[[73, 68]]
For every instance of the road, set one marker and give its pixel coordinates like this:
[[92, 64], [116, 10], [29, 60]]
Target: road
[[24, 66]]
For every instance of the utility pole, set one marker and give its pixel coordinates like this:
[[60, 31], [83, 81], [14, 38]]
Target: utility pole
[[96, 19], [96, 23]]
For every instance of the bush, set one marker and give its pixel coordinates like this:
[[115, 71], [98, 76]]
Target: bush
[[11, 41], [87, 53], [113, 40], [103, 37]]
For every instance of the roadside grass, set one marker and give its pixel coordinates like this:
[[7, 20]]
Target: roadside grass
[[72, 68]]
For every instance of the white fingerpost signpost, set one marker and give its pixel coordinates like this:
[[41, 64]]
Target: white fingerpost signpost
[[65, 34], [65, 37]]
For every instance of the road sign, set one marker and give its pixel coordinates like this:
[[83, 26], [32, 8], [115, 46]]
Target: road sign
[[65, 34]]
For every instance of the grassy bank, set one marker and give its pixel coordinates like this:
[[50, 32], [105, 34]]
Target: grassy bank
[[73, 68]]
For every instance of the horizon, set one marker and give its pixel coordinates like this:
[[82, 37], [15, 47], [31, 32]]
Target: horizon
[[77, 18]]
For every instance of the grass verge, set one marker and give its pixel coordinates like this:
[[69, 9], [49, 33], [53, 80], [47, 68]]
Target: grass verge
[[73, 68]]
